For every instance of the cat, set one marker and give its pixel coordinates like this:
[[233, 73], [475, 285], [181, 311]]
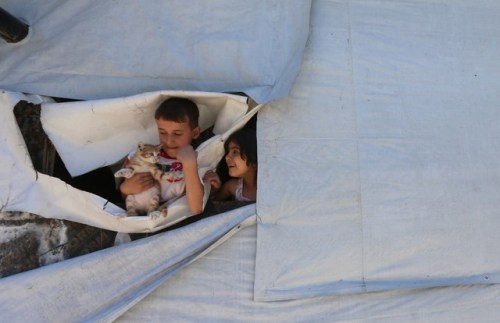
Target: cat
[[145, 159]]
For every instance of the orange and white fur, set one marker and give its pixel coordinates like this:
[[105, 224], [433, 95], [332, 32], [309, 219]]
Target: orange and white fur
[[144, 160]]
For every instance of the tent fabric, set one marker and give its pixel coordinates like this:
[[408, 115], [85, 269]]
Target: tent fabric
[[381, 162], [93, 50], [101, 286], [219, 288], [72, 126], [385, 160], [144, 283]]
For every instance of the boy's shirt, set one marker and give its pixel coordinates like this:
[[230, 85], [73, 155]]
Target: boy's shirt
[[175, 185]]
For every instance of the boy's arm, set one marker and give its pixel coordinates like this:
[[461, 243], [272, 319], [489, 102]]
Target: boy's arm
[[136, 184], [194, 187]]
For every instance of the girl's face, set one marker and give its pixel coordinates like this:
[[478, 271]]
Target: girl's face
[[236, 165]]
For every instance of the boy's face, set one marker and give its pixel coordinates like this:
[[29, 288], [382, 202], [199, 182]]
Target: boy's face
[[174, 135]]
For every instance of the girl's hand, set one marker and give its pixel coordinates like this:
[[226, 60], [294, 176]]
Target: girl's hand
[[213, 179], [136, 184]]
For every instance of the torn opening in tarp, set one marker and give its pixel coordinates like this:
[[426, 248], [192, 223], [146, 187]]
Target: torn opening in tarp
[[91, 134]]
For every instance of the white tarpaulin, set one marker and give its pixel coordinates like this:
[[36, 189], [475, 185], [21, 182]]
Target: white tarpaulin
[[385, 159], [219, 288], [103, 285], [104, 49], [379, 171]]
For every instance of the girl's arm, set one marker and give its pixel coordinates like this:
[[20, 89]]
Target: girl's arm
[[226, 191], [213, 179]]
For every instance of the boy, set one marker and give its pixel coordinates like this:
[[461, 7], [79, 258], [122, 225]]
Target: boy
[[177, 122]]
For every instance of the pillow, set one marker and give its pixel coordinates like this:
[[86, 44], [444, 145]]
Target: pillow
[[97, 133]]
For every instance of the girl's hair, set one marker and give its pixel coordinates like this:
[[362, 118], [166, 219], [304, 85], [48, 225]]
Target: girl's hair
[[247, 140], [178, 110]]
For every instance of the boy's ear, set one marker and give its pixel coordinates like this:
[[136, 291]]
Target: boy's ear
[[196, 132]]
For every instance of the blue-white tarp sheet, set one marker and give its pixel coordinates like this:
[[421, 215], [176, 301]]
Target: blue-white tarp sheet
[[379, 176]]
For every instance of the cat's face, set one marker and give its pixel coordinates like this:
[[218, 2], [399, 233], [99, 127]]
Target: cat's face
[[149, 153]]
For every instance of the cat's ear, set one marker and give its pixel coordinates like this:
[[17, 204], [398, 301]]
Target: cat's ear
[[140, 146]]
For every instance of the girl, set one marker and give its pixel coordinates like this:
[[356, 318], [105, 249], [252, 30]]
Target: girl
[[241, 160]]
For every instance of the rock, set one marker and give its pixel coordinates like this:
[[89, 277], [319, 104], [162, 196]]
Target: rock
[[28, 241]]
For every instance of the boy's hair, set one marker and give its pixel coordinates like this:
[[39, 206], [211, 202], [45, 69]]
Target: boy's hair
[[178, 110], [247, 140]]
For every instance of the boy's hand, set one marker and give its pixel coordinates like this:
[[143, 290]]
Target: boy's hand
[[213, 179], [186, 154], [136, 184]]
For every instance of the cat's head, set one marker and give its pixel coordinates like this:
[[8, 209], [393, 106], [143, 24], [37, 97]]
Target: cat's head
[[148, 152]]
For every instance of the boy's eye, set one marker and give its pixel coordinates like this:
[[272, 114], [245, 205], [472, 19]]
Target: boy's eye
[[173, 134]]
